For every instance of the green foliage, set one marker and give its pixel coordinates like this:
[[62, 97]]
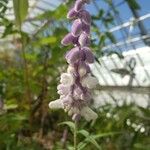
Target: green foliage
[[70, 124], [88, 139], [20, 10], [133, 4], [59, 13], [99, 15], [3, 6]]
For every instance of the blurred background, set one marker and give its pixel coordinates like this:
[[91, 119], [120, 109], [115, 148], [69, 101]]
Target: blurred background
[[31, 60]]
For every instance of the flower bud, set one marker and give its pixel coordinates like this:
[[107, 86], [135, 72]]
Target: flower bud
[[63, 89], [83, 68], [70, 69], [77, 93], [88, 54], [84, 40], [73, 110], [72, 14], [68, 39], [67, 101], [74, 55], [86, 18], [87, 96], [78, 5], [76, 28], [88, 114], [56, 104], [67, 79], [86, 28], [89, 82]]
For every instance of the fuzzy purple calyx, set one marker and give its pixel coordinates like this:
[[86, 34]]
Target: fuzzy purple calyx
[[84, 39], [72, 14], [69, 39], [76, 28]]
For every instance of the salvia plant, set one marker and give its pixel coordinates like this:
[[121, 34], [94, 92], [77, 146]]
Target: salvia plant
[[76, 84], [75, 88]]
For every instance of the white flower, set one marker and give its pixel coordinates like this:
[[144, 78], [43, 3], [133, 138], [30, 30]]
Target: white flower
[[62, 96], [82, 71], [70, 69], [67, 79], [89, 82], [73, 110], [63, 89], [56, 104], [88, 114]]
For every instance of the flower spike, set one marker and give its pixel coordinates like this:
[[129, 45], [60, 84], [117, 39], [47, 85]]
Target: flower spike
[[77, 83]]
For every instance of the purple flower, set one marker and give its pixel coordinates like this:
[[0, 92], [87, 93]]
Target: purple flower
[[74, 55], [75, 85], [86, 18], [63, 89], [86, 28], [72, 14], [84, 39], [69, 39], [83, 68], [76, 27], [78, 5], [88, 54]]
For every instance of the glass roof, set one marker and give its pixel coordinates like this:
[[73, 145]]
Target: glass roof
[[36, 7]]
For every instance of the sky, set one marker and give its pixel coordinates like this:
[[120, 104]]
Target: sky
[[125, 15], [124, 11]]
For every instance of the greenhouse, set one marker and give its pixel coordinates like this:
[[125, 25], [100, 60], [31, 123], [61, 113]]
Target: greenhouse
[[74, 75]]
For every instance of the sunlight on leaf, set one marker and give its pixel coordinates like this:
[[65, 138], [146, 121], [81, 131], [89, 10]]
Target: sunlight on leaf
[[20, 10], [45, 41]]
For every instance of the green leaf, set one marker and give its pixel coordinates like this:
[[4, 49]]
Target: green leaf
[[45, 41], [133, 4], [105, 134], [3, 6], [20, 10], [82, 145], [99, 15], [92, 138], [93, 141], [141, 146], [89, 139], [111, 37], [70, 148], [58, 13], [102, 39], [84, 133], [11, 106], [70, 124]]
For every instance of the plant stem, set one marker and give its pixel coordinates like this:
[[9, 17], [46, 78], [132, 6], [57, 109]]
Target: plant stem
[[26, 71], [75, 135], [26, 76]]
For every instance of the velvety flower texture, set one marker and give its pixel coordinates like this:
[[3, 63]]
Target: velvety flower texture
[[76, 84]]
